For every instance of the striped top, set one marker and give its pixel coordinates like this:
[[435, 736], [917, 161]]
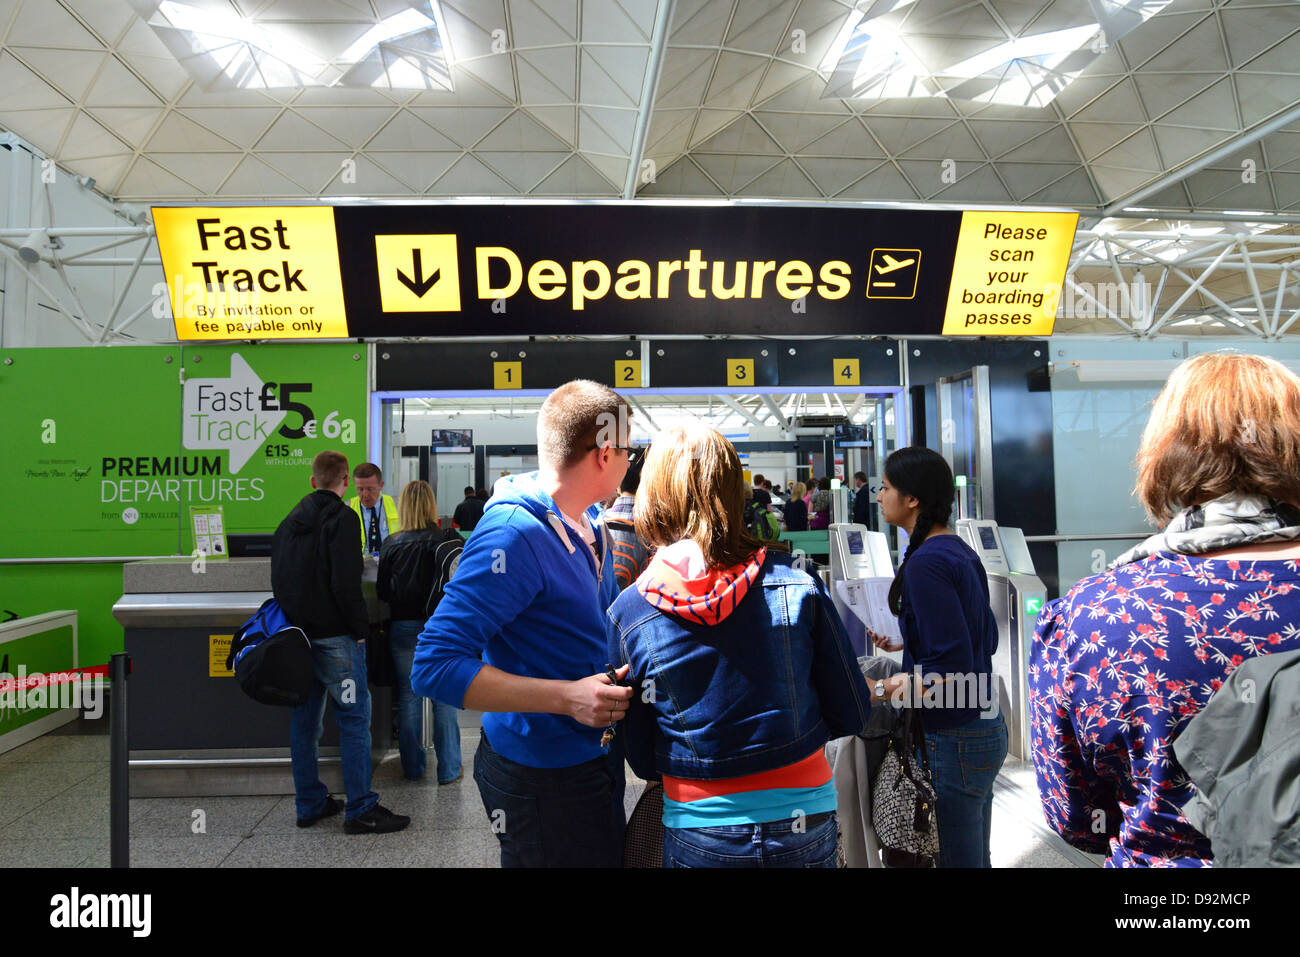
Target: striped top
[[803, 788]]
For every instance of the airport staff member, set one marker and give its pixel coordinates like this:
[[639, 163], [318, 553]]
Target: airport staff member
[[376, 523]]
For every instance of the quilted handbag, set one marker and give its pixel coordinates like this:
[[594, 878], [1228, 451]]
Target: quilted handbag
[[902, 799]]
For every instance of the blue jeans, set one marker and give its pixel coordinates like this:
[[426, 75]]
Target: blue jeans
[[964, 762], [773, 844], [341, 672], [402, 636], [554, 817]]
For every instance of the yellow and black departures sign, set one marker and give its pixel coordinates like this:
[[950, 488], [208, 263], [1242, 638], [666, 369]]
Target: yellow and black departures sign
[[613, 269], [268, 272]]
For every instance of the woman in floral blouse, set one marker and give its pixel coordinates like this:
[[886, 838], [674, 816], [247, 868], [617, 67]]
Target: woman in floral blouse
[[1123, 662]]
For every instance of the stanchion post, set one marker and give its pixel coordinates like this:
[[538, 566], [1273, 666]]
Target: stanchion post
[[119, 791]]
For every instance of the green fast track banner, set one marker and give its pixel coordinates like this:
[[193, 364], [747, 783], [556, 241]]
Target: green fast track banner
[[108, 449]]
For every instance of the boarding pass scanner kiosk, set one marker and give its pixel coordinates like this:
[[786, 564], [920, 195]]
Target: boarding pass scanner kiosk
[[860, 564], [1016, 595]]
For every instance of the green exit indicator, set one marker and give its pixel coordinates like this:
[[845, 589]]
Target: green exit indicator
[[1033, 606], [961, 481]]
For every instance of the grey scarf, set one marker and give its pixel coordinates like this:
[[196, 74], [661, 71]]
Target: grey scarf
[[1228, 521]]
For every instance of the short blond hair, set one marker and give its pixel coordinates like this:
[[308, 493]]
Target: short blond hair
[[692, 486], [417, 507], [799, 490], [572, 418], [1223, 423]]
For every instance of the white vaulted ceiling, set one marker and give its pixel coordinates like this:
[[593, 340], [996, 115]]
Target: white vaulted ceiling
[[547, 96]]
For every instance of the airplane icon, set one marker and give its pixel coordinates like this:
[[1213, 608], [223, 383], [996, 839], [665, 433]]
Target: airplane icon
[[893, 273], [891, 264]]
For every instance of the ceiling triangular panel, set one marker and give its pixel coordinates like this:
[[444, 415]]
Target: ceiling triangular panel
[[560, 120], [794, 131], [88, 138], [1262, 96], [26, 89], [708, 122], [523, 170], [848, 139], [253, 179], [49, 25], [731, 171], [1072, 190], [71, 71], [780, 77], [612, 75], [1252, 31], [575, 177], [207, 171], [469, 177], [378, 180], [610, 127], [735, 79], [785, 179], [612, 168], [833, 175], [682, 178], [548, 76], [407, 131], [683, 78], [118, 86], [742, 136], [131, 123], [464, 125], [544, 23], [292, 132], [148, 181], [520, 132], [177, 134], [241, 127], [353, 125], [883, 183]]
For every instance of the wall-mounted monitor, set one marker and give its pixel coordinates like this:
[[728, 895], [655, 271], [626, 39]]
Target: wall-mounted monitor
[[853, 436], [452, 440]]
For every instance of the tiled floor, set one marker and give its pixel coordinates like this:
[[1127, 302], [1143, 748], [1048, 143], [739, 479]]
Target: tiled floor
[[54, 812]]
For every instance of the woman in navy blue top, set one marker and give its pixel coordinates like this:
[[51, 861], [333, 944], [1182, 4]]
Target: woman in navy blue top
[[941, 597]]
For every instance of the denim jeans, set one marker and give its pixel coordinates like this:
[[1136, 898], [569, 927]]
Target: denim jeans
[[554, 817], [773, 844], [402, 636], [964, 762], [341, 673]]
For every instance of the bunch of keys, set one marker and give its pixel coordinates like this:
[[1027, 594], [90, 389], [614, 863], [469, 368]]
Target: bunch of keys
[[607, 738]]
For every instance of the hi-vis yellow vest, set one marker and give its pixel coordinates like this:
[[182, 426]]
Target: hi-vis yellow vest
[[390, 513]]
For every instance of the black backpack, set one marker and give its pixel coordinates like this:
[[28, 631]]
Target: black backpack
[[271, 658]]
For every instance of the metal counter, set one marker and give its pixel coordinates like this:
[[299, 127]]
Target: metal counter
[[192, 731]]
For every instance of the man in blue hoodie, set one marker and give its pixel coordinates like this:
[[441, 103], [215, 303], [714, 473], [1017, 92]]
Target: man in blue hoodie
[[520, 635]]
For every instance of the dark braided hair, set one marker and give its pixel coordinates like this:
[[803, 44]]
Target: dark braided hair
[[924, 474]]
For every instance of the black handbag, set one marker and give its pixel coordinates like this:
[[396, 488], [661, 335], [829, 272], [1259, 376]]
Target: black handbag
[[643, 840], [903, 799]]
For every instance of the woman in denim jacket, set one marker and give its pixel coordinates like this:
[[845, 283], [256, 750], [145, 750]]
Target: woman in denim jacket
[[742, 666]]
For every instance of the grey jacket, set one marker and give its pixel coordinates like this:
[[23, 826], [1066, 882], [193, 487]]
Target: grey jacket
[[1243, 755]]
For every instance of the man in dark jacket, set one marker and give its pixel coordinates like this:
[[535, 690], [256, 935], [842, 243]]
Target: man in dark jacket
[[316, 578], [862, 501], [469, 511]]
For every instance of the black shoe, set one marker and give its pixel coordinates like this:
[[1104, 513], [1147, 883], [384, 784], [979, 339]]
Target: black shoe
[[332, 807], [379, 820]]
